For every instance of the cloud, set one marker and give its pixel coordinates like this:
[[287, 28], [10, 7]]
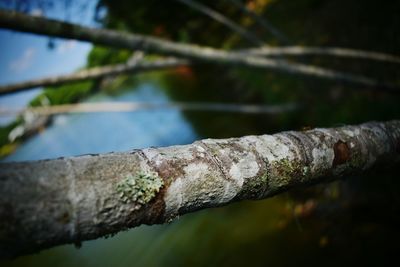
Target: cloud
[[24, 61], [37, 12], [66, 46]]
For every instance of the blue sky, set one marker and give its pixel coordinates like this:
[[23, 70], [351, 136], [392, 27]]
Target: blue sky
[[26, 56]]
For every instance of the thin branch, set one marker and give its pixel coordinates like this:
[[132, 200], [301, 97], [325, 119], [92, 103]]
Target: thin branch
[[224, 20], [69, 200], [38, 25], [134, 65], [321, 51], [262, 22], [94, 73], [135, 106]]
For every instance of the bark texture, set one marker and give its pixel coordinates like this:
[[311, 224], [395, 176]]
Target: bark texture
[[68, 200], [38, 25]]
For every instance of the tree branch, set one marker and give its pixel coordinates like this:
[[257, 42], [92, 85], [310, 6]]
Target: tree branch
[[262, 21], [44, 26], [321, 51], [171, 62], [135, 106], [224, 20], [94, 73], [68, 200]]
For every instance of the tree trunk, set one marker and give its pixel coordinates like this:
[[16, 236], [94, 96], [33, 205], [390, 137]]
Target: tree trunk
[[68, 200]]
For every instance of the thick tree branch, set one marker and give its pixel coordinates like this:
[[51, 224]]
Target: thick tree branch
[[95, 73], [44, 26], [68, 200]]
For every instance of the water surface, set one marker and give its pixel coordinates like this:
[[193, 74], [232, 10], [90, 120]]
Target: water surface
[[84, 133]]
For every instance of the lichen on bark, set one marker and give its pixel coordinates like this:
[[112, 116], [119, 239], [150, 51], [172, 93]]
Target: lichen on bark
[[140, 188]]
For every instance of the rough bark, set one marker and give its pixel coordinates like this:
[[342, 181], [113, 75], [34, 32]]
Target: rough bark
[[38, 25], [68, 200], [94, 73]]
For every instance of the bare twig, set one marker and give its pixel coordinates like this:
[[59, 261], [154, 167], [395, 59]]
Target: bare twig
[[224, 20], [263, 22]]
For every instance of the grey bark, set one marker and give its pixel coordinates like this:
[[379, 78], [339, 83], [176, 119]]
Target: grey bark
[[38, 25], [94, 73], [68, 200]]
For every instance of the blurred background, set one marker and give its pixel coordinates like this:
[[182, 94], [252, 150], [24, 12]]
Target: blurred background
[[352, 221]]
